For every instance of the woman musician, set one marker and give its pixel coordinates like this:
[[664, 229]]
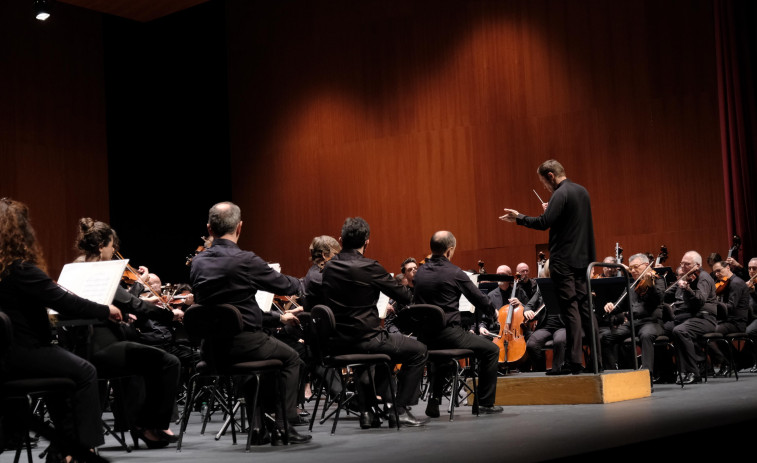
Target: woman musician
[[645, 300], [113, 355], [25, 293]]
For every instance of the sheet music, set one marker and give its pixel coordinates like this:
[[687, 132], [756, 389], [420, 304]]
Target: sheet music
[[96, 281], [381, 305], [465, 304], [264, 298]]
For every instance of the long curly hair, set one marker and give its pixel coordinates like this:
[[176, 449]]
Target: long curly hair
[[18, 242], [93, 235]]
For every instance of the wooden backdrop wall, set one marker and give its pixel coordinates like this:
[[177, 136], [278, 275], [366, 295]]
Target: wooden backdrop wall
[[421, 116], [53, 150]]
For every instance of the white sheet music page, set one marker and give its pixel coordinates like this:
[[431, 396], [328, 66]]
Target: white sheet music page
[[465, 304], [264, 298], [96, 281]]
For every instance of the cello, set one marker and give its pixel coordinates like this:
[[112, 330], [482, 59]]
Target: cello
[[511, 339]]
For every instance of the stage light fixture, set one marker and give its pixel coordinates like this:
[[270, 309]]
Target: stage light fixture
[[41, 9]]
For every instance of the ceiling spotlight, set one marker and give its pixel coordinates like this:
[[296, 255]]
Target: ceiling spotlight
[[41, 9]]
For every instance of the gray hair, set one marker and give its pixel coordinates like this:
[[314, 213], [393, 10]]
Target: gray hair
[[640, 256], [224, 217]]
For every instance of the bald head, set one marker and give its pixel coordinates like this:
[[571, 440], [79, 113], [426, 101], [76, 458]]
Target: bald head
[[442, 241]]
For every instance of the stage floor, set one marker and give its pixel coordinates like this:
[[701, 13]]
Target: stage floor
[[681, 422]]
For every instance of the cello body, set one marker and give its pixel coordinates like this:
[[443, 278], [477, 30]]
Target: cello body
[[511, 340]]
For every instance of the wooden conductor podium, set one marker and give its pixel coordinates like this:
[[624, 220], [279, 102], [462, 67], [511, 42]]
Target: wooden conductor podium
[[587, 388], [540, 389]]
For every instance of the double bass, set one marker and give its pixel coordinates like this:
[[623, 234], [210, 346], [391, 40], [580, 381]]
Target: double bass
[[511, 339]]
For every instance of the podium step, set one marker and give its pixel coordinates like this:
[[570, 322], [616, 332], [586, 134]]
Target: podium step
[[540, 389]]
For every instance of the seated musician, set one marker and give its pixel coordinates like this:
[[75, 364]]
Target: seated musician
[[166, 335], [694, 313], [322, 249], [114, 355], [645, 300], [527, 284], [225, 274], [607, 272], [406, 277], [499, 297], [25, 293], [439, 282], [733, 292], [549, 326], [751, 329], [351, 287]]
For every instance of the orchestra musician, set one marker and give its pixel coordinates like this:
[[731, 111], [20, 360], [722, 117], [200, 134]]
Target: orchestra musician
[[408, 269], [526, 283], [645, 300], [694, 313], [733, 292], [225, 274], [608, 272], [571, 248], [26, 292], [488, 324], [439, 282], [549, 326], [751, 330], [154, 370], [322, 249], [352, 284]]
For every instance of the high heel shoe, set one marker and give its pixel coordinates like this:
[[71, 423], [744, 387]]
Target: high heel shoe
[[170, 438], [139, 433]]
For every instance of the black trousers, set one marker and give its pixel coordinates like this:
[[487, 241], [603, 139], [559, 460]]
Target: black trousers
[[157, 369], [716, 355], [79, 422], [259, 345], [685, 336], [487, 356], [411, 353], [573, 298], [536, 342]]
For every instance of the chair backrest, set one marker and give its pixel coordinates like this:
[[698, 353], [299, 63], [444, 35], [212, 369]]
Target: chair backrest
[[6, 337], [213, 327], [425, 320], [322, 329]]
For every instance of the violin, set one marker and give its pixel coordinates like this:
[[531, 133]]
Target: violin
[[130, 276], [721, 285], [206, 243]]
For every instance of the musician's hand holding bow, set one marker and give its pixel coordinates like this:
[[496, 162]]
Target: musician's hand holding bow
[[289, 318], [510, 215], [609, 307], [178, 315]]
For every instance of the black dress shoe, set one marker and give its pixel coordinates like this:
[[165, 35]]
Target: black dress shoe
[[724, 370], [484, 410], [366, 420], [557, 372], [277, 437], [432, 408], [406, 419], [689, 378]]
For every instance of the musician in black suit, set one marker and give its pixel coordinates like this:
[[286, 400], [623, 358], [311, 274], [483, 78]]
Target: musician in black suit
[[439, 282], [351, 286], [694, 310], [645, 302], [735, 295], [226, 274]]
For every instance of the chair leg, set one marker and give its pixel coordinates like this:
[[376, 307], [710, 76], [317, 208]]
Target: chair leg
[[453, 398], [393, 393], [188, 403], [317, 402]]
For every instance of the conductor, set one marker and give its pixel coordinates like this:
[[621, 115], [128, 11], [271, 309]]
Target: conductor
[[567, 215]]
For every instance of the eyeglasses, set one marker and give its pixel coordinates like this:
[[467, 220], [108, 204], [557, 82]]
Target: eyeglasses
[[635, 266]]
